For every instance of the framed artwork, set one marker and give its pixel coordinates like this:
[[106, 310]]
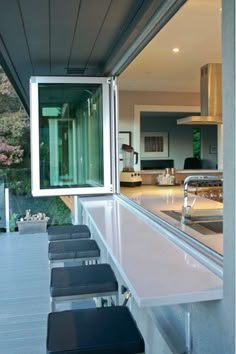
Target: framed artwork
[[154, 144], [124, 138]]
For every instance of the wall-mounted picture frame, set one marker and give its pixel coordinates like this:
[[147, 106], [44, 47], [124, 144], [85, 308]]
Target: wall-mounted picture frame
[[154, 144], [124, 138]]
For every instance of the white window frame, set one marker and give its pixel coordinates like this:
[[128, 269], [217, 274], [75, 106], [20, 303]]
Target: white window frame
[[107, 188]]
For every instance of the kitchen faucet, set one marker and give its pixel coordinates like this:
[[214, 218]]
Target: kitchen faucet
[[187, 209]]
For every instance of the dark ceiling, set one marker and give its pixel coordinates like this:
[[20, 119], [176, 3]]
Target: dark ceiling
[[70, 37]]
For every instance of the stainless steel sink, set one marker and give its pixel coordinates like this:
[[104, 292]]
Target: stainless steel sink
[[215, 227], [204, 221]]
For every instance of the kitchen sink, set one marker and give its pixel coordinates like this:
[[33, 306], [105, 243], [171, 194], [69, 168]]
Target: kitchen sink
[[206, 228], [207, 221]]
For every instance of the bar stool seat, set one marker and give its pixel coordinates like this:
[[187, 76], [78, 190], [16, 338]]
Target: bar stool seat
[[71, 249], [106, 330], [85, 250], [67, 232], [75, 283]]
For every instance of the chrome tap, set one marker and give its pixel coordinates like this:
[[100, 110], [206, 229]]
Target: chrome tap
[[187, 209]]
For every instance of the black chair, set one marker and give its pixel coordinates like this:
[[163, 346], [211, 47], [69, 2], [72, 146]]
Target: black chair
[[192, 163], [82, 282], [66, 232], [105, 330], [73, 250]]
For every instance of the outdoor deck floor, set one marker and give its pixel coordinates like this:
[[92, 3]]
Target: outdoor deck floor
[[24, 293]]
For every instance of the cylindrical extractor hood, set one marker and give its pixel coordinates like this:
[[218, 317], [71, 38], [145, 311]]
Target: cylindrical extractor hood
[[210, 95]]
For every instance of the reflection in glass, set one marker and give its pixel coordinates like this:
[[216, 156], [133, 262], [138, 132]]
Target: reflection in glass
[[71, 135]]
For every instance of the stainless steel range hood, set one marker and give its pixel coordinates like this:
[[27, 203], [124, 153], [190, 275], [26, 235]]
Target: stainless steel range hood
[[210, 95]]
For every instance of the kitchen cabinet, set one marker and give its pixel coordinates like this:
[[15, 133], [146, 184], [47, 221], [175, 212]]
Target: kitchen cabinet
[[180, 175], [150, 176]]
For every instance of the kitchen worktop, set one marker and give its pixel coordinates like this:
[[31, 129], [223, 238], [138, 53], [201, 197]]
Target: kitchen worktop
[[199, 172], [156, 270], [156, 198], [150, 176]]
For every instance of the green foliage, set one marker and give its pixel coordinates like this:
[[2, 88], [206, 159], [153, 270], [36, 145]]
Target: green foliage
[[13, 127], [58, 212], [9, 104], [12, 221], [53, 207], [9, 101], [19, 183], [196, 143], [22, 187], [17, 180], [15, 132]]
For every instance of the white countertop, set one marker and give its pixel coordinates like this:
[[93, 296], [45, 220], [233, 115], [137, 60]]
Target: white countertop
[[157, 198], [156, 270]]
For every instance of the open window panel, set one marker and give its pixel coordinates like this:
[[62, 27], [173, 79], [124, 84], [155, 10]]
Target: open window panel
[[70, 136]]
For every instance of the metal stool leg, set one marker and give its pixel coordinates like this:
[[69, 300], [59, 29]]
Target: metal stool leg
[[52, 305]]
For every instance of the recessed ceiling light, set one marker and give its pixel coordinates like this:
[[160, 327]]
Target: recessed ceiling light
[[175, 50]]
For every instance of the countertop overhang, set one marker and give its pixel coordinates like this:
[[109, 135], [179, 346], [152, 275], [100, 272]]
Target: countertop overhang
[[156, 270]]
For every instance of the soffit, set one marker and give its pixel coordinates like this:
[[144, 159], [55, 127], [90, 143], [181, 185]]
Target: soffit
[[61, 37]]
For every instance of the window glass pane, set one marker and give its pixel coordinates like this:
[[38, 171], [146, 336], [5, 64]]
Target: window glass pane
[[71, 135]]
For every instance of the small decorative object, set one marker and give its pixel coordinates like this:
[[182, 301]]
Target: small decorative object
[[32, 223], [167, 178]]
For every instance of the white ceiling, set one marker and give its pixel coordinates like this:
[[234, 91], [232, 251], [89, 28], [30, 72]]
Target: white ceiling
[[196, 30]]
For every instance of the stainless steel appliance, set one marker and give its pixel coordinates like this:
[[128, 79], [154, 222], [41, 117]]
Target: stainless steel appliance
[[209, 190], [211, 97]]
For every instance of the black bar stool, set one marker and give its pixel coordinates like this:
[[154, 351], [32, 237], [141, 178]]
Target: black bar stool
[[67, 232], [82, 282], [73, 250], [105, 330]]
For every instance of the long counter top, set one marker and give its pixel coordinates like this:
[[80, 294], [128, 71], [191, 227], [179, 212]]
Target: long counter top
[[156, 270], [158, 198], [200, 172], [150, 176]]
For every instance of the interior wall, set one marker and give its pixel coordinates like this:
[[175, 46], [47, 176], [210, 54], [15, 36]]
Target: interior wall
[[180, 139], [128, 99], [209, 145], [228, 307]]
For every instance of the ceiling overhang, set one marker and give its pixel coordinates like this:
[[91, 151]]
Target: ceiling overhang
[[76, 37]]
